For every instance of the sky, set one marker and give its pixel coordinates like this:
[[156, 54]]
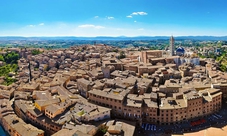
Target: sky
[[90, 18]]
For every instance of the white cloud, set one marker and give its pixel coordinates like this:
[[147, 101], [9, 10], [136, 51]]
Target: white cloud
[[72, 29], [129, 16], [99, 27], [41, 24], [110, 17], [135, 21], [31, 25], [91, 26], [96, 16], [141, 29], [139, 13]]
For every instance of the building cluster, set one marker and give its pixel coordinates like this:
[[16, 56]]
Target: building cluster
[[14, 125], [62, 91]]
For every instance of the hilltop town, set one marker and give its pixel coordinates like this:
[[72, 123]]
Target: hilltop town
[[99, 89]]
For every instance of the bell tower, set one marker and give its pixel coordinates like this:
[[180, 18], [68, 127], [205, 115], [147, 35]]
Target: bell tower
[[171, 46]]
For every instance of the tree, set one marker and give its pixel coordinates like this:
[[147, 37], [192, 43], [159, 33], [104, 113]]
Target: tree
[[115, 50], [223, 68], [1, 58], [9, 80], [36, 52], [122, 55], [153, 48], [11, 57]]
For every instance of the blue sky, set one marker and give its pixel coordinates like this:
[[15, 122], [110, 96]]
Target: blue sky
[[113, 17]]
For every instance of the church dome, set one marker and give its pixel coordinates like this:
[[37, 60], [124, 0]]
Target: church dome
[[180, 49]]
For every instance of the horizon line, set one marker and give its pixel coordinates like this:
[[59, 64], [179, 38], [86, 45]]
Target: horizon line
[[122, 36]]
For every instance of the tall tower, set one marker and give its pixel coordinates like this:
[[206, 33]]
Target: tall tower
[[171, 46]]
